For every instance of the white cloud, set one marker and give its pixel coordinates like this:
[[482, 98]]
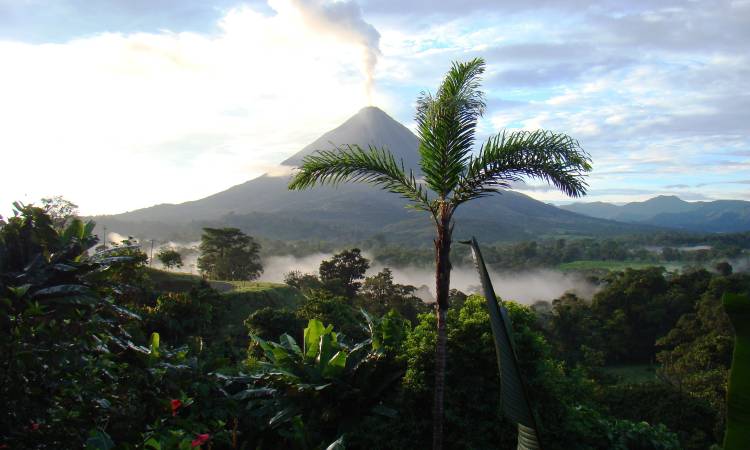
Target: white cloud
[[115, 122]]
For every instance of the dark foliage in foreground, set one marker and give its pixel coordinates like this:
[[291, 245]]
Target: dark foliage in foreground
[[81, 363]]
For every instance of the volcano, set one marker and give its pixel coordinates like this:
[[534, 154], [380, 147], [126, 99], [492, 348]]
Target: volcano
[[265, 207]]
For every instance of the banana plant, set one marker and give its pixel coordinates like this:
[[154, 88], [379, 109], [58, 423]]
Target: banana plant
[[514, 398], [310, 394], [737, 434], [321, 358]]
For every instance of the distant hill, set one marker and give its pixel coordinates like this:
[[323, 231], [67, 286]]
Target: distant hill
[[720, 216], [350, 212]]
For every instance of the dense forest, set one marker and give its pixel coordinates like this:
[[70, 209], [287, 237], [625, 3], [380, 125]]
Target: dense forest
[[101, 351]]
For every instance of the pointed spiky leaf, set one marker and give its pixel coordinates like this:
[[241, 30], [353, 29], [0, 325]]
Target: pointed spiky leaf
[[513, 396]]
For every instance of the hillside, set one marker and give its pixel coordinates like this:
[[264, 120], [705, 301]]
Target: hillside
[[720, 216], [265, 207]]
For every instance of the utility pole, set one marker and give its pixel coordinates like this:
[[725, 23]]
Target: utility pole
[[105, 237], [151, 259]]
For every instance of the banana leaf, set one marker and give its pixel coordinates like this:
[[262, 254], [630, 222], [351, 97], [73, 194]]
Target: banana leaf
[[737, 434], [514, 399]]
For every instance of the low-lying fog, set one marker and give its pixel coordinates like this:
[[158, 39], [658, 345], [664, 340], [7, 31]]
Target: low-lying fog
[[524, 287]]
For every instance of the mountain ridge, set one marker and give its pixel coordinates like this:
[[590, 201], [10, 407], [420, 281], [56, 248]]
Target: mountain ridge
[[717, 216], [265, 207]]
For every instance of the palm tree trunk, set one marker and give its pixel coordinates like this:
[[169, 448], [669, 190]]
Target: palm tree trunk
[[442, 288]]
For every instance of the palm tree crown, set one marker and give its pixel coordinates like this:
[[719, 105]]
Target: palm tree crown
[[452, 175]]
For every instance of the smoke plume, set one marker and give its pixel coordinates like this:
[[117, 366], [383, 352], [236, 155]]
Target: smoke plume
[[343, 20]]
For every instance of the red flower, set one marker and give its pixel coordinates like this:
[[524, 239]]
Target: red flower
[[176, 404], [200, 440], [34, 426]]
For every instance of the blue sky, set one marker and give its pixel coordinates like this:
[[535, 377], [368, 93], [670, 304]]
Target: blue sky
[[150, 102]]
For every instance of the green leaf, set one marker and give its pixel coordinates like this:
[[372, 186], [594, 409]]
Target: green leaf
[[154, 345], [153, 444], [328, 348], [446, 124], [338, 444], [290, 343], [99, 440], [281, 417], [353, 164], [513, 396], [377, 344], [124, 312], [281, 355], [513, 156], [335, 365], [313, 332], [737, 435], [19, 291], [63, 290]]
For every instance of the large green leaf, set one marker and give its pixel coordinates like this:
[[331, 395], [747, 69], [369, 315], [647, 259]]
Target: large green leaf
[[737, 435], [313, 332], [289, 342], [335, 365], [513, 396], [154, 344]]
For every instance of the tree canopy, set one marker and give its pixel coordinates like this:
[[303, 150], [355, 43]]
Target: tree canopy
[[170, 258], [344, 270], [229, 254]]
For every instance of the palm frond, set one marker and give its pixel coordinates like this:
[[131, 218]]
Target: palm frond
[[509, 157], [446, 124], [351, 163]]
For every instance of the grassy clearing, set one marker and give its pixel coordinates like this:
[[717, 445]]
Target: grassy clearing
[[172, 281], [611, 265], [248, 297], [178, 282], [633, 374], [243, 297]]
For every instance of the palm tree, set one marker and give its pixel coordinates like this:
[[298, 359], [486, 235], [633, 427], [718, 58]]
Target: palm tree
[[453, 175]]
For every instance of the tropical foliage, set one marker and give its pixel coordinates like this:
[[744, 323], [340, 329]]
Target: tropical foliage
[[95, 352], [452, 175]]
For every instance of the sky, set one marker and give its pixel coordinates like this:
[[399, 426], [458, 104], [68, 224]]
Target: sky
[[123, 104]]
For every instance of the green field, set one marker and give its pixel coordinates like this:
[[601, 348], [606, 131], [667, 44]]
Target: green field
[[243, 297], [249, 297], [171, 281], [612, 265]]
